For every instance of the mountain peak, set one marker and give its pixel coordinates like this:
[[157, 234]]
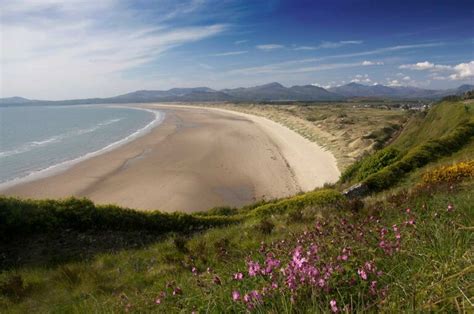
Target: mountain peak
[[273, 84]]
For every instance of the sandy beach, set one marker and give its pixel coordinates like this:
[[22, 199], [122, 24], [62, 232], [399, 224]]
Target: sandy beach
[[196, 159]]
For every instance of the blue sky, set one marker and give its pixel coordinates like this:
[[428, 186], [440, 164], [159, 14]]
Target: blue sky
[[52, 49]]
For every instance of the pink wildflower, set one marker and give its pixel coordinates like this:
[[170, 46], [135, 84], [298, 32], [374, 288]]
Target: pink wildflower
[[362, 274], [254, 268], [235, 295], [238, 276], [408, 210], [333, 304], [450, 208], [158, 301], [194, 270]]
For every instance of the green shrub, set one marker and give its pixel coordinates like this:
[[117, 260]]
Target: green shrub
[[321, 197], [25, 217], [369, 165]]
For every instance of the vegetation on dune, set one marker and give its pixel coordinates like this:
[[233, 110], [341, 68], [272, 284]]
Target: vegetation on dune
[[408, 248]]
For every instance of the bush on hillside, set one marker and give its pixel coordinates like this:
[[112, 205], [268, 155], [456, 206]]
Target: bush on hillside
[[26, 217], [369, 165], [449, 174], [420, 156]]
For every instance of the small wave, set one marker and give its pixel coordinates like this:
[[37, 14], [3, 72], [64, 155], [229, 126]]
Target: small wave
[[158, 118], [57, 138]]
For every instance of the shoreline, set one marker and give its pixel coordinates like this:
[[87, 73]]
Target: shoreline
[[67, 164], [195, 159]]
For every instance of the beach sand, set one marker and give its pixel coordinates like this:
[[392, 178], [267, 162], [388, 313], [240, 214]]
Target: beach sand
[[196, 159]]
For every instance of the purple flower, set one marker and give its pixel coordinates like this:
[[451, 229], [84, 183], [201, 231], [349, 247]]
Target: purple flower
[[254, 268], [235, 295], [238, 276], [333, 305], [362, 274]]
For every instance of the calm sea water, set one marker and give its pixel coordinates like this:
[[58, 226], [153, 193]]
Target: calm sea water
[[35, 140]]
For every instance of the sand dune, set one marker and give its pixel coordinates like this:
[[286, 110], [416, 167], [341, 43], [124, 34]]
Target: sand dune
[[196, 159]]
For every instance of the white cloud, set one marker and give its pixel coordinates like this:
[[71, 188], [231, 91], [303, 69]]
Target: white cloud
[[359, 78], [367, 63], [230, 53], [268, 47], [421, 66], [406, 78], [463, 71], [394, 83]]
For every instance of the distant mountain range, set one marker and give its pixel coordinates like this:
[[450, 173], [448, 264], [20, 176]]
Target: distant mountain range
[[267, 92]]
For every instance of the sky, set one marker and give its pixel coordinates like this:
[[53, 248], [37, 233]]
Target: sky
[[54, 49]]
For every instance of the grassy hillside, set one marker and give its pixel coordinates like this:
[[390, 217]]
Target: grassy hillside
[[406, 248]]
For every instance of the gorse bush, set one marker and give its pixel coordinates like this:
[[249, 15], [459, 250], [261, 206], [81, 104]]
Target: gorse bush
[[448, 174]]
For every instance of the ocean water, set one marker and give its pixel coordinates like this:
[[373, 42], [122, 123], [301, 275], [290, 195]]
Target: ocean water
[[35, 141]]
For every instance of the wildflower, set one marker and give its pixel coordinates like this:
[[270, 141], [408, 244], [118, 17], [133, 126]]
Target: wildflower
[[217, 280], [254, 268], [235, 295], [450, 208], [362, 274], [194, 270], [177, 291], [274, 285], [408, 210], [238, 276], [158, 301], [373, 287], [256, 295], [333, 305]]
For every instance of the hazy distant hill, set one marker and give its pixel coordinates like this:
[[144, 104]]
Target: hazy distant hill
[[401, 92], [276, 91], [267, 92]]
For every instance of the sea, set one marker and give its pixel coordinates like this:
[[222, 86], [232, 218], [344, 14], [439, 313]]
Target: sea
[[36, 141]]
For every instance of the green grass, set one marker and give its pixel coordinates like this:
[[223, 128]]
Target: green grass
[[72, 256]]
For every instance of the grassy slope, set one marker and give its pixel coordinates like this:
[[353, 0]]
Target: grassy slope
[[430, 269]]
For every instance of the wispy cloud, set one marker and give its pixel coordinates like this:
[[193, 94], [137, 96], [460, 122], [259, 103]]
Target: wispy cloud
[[240, 42], [65, 45], [330, 44], [288, 66], [230, 53], [268, 47], [306, 69]]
